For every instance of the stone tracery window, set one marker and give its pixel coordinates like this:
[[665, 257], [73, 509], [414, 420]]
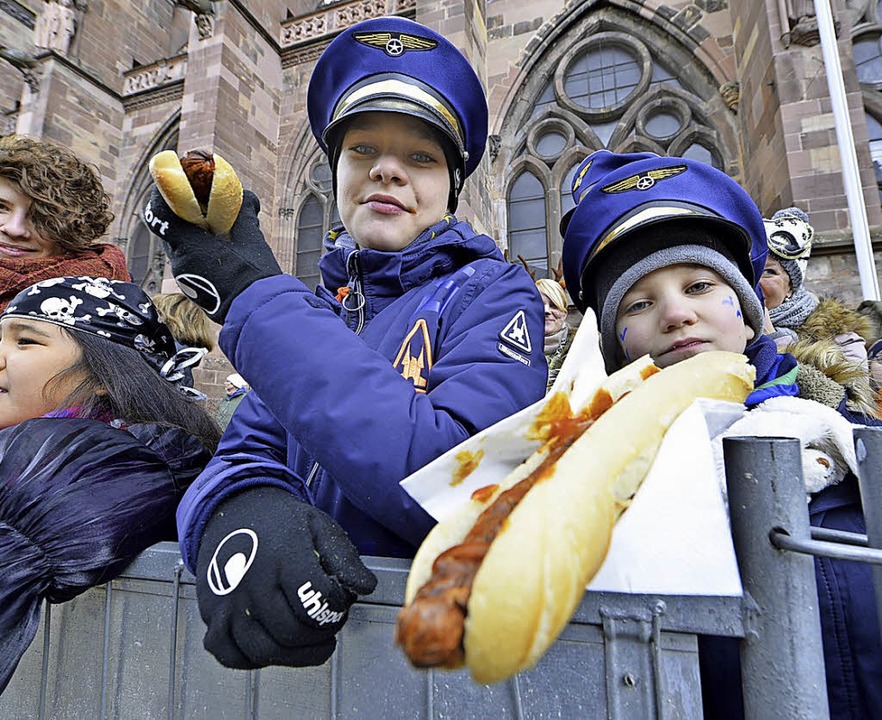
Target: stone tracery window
[[526, 206], [316, 215], [144, 255], [868, 58], [615, 89]]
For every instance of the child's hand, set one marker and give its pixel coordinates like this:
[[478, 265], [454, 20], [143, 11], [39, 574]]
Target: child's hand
[[213, 269], [275, 579]]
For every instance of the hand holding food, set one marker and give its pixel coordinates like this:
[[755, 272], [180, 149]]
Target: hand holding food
[[493, 586], [201, 188], [209, 228]]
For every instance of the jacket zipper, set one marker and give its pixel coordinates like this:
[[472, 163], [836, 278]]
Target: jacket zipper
[[354, 302]]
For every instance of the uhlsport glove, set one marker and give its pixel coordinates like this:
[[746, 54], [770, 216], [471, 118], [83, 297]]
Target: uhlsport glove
[[213, 269], [275, 578]]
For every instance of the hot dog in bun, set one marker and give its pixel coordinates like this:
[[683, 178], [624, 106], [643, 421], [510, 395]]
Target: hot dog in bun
[[201, 188], [492, 586]]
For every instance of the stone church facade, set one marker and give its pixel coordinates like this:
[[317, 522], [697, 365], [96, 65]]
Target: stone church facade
[[740, 85]]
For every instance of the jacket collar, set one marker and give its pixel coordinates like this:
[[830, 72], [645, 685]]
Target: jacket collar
[[438, 250]]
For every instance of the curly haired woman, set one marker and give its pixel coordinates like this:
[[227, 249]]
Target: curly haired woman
[[53, 210]]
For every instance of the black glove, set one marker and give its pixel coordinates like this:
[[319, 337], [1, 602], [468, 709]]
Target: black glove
[[213, 269], [275, 578]]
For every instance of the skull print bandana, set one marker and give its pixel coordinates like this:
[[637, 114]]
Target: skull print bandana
[[117, 311]]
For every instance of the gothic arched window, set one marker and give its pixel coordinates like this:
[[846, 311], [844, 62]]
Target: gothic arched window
[[868, 59], [310, 231], [526, 225], [607, 84], [316, 215], [874, 128], [867, 51], [144, 255]]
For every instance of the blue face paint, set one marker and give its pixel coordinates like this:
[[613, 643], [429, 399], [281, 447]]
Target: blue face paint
[[731, 301], [622, 339]]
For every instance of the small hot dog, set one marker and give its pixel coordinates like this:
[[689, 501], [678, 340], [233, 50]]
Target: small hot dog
[[492, 586], [200, 187]]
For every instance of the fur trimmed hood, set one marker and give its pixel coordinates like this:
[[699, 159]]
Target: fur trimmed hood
[[827, 376], [825, 373], [832, 318]]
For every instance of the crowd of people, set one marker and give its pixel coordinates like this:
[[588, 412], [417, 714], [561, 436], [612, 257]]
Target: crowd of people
[[419, 321]]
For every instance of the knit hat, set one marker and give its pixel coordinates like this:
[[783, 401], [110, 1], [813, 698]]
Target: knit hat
[[615, 275], [789, 236]]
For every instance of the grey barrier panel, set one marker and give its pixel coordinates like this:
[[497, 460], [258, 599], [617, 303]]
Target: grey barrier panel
[[868, 447], [133, 650], [782, 660]]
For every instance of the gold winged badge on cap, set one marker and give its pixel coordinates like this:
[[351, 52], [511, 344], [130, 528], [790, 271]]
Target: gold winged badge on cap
[[578, 180], [645, 180], [395, 44]]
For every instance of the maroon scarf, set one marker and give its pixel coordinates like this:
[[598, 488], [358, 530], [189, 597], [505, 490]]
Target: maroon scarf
[[100, 260]]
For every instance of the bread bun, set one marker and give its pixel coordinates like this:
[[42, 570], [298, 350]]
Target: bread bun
[[451, 531], [555, 540], [176, 185]]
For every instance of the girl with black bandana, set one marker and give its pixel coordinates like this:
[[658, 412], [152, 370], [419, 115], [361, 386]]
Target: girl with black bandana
[[98, 441]]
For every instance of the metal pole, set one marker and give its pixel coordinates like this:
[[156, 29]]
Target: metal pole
[[782, 659], [854, 192], [868, 446]]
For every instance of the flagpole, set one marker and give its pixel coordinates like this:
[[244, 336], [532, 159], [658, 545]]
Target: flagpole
[[854, 193]]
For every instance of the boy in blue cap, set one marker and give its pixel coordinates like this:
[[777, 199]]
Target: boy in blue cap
[[667, 252], [433, 338]]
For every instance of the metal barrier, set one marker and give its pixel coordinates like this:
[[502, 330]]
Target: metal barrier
[[782, 659], [132, 649]]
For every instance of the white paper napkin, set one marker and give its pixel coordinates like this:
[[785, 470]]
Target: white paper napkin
[[675, 538]]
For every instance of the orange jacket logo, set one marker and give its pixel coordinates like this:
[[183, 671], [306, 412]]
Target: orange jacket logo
[[414, 358]]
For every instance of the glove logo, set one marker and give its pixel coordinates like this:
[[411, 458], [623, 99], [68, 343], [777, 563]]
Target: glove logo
[[200, 290], [152, 221], [231, 560], [315, 608]]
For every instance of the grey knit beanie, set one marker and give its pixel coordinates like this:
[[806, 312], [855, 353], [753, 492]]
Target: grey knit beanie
[[716, 258]]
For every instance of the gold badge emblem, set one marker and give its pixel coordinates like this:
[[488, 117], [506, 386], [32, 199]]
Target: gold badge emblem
[[581, 175], [415, 356], [644, 181], [395, 44]]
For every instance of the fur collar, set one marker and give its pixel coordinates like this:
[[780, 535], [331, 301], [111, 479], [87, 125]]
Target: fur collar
[[832, 318], [825, 357]]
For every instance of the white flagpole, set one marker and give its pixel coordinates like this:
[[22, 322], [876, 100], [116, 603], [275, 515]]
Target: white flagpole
[[857, 209]]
